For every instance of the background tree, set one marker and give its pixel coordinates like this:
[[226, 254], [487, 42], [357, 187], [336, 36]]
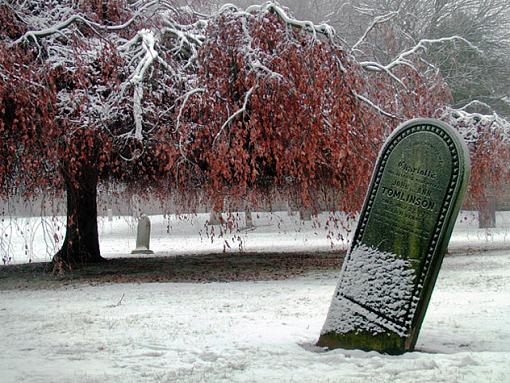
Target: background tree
[[233, 104], [469, 44], [472, 74], [466, 42], [71, 106], [395, 26]]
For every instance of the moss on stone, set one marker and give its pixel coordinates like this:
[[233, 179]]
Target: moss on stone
[[388, 343]]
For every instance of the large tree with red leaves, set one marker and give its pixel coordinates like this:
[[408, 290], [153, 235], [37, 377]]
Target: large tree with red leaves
[[233, 104]]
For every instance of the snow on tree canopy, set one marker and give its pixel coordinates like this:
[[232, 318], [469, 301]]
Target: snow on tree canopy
[[240, 105]]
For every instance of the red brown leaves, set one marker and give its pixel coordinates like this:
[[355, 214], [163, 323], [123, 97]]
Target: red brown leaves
[[294, 126], [265, 105]]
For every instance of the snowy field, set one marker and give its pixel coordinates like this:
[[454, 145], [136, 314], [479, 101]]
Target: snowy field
[[249, 332], [36, 239], [260, 331]]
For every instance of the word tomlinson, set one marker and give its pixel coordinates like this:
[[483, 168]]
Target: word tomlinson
[[409, 198]]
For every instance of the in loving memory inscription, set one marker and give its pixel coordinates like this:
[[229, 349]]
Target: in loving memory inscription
[[389, 273]]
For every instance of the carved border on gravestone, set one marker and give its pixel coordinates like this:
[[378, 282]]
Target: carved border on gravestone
[[406, 323]]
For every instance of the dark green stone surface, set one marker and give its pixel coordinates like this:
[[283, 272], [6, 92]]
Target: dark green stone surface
[[413, 200]]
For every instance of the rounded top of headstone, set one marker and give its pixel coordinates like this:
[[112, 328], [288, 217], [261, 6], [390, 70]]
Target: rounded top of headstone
[[144, 218], [434, 126]]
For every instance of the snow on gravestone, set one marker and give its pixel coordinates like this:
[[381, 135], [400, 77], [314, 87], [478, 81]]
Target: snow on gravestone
[[411, 206]]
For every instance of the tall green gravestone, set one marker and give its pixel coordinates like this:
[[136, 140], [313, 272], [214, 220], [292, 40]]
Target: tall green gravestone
[[389, 273]]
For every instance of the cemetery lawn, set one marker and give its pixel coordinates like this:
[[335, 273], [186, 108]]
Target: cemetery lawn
[[210, 325]]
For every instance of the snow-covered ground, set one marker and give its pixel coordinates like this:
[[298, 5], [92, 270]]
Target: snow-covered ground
[[36, 239], [243, 331], [249, 332]]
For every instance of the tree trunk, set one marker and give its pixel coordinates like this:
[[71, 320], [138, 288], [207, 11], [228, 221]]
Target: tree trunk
[[215, 218], [81, 243], [487, 213], [305, 214]]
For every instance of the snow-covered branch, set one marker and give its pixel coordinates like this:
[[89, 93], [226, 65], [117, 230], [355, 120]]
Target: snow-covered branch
[[236, 113], [381, 68], [148, 44], [184, 102], [188, 40], [377, 20], [470, 125], [81, 19], [476, 103], [422, 45], [272, 7], [371, 104]]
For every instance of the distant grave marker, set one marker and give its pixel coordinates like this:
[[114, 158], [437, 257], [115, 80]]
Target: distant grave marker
[[143, 236], [249, 219], [409, 212]]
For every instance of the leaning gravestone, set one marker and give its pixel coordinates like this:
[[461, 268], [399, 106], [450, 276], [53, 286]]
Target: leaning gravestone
[[143, 236], [389, 273]]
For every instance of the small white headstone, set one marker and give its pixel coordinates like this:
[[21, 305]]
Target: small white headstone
[[143, 235], [249, 219]]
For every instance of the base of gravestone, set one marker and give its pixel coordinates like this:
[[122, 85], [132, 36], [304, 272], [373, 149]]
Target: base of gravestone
[[142, 251], [387, 343]]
